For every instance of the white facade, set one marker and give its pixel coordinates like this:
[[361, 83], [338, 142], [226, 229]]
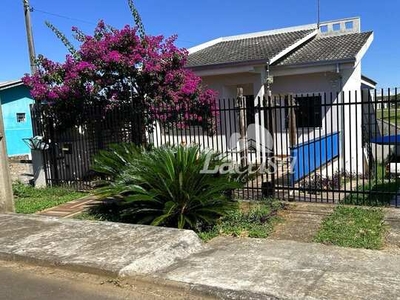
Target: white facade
[[335, 81]]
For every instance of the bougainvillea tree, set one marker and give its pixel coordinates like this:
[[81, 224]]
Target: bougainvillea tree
[[114, 67]]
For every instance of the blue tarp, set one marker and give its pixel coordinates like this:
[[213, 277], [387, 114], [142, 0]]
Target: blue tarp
[[313, 154], [387, 140]]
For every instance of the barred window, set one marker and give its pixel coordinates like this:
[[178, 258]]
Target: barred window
[[21, 117], [308, 111]]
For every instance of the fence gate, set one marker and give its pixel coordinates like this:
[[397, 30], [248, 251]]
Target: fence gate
[[71, 147]]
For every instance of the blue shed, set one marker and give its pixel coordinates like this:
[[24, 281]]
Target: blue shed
[[15, 103]]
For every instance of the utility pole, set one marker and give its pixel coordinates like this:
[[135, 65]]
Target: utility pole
[[6, 194], [29, 35]]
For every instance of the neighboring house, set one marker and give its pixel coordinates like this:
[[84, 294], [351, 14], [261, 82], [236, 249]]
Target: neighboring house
[[296, 61], [15, 103]]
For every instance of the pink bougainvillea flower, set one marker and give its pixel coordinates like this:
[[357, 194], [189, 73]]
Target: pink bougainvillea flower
[[113, 66]]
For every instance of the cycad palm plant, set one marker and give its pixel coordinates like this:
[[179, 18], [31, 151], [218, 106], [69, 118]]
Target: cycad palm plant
[[165, 186]]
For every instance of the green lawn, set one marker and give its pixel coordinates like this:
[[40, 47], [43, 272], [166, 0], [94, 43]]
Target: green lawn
[[353, 227], [29, 200], [390, 115]]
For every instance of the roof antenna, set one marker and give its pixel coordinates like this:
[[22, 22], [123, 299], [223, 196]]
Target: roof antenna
[[319, 14]]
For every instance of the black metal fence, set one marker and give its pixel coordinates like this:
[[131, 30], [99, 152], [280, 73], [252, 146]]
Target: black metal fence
[[318, 147]]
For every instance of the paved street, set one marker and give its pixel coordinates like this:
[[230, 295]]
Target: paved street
[[26, 282]]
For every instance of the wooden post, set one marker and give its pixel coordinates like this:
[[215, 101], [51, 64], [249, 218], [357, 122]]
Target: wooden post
[[6, 193], [292, 135], [292, 122], [242, 127], [270, 124]]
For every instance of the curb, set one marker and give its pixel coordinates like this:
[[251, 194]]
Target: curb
[[192, 289]]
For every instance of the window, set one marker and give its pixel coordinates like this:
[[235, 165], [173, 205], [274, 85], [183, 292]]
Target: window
[[324, 28], [336, 27], [250, 110], [308, 111], [21, 117], [349, 25]]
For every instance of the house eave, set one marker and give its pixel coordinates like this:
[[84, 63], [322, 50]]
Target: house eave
[[315, 64], [368, 80], [229, 65], [10, 84]]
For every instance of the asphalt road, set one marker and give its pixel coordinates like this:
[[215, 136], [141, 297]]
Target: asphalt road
[[20, 281]]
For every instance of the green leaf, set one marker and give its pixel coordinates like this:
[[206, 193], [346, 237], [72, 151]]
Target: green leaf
[[164, 186]]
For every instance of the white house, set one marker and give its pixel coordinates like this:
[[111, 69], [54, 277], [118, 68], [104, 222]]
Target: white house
[[311, 63]]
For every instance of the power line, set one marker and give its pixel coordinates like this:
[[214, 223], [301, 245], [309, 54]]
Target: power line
[[32, 9]]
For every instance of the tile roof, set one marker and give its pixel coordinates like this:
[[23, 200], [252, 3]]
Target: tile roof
[[246, 49], [327, 48]]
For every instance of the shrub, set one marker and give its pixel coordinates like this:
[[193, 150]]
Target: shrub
[[165, 186]]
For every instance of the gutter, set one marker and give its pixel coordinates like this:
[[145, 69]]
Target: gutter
[[10, 85], [317, 63]]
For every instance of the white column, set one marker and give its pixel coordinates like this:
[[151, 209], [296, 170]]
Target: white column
[[39, 176], [351, 128]]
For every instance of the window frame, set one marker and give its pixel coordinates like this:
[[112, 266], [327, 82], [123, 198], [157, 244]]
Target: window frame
[[317, 125], [20, 114]]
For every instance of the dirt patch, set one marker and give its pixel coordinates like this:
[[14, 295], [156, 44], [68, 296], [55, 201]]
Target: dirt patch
[[301, 221]]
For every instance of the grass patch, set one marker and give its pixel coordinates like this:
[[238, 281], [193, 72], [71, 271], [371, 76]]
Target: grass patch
[[378, 193], [391, 115], [252, 220], [29, 200], [353, 227]]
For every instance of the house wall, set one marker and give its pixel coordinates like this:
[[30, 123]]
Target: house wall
[[326, 84], [352, 150], [228, 120], [16, 100], [226, 86]]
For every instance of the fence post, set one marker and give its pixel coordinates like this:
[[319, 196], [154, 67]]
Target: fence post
[[39, 176], [6, 194], [292, 122], [270, 126], [35, 143], [242, 127]]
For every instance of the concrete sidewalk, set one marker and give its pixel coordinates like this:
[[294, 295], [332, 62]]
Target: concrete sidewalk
[[228, 268], [112, 248]]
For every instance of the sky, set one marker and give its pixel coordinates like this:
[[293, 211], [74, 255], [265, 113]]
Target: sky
[[195, 22]]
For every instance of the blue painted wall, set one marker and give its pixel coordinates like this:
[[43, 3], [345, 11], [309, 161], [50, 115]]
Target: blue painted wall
[[16, 100], [313, 154]]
